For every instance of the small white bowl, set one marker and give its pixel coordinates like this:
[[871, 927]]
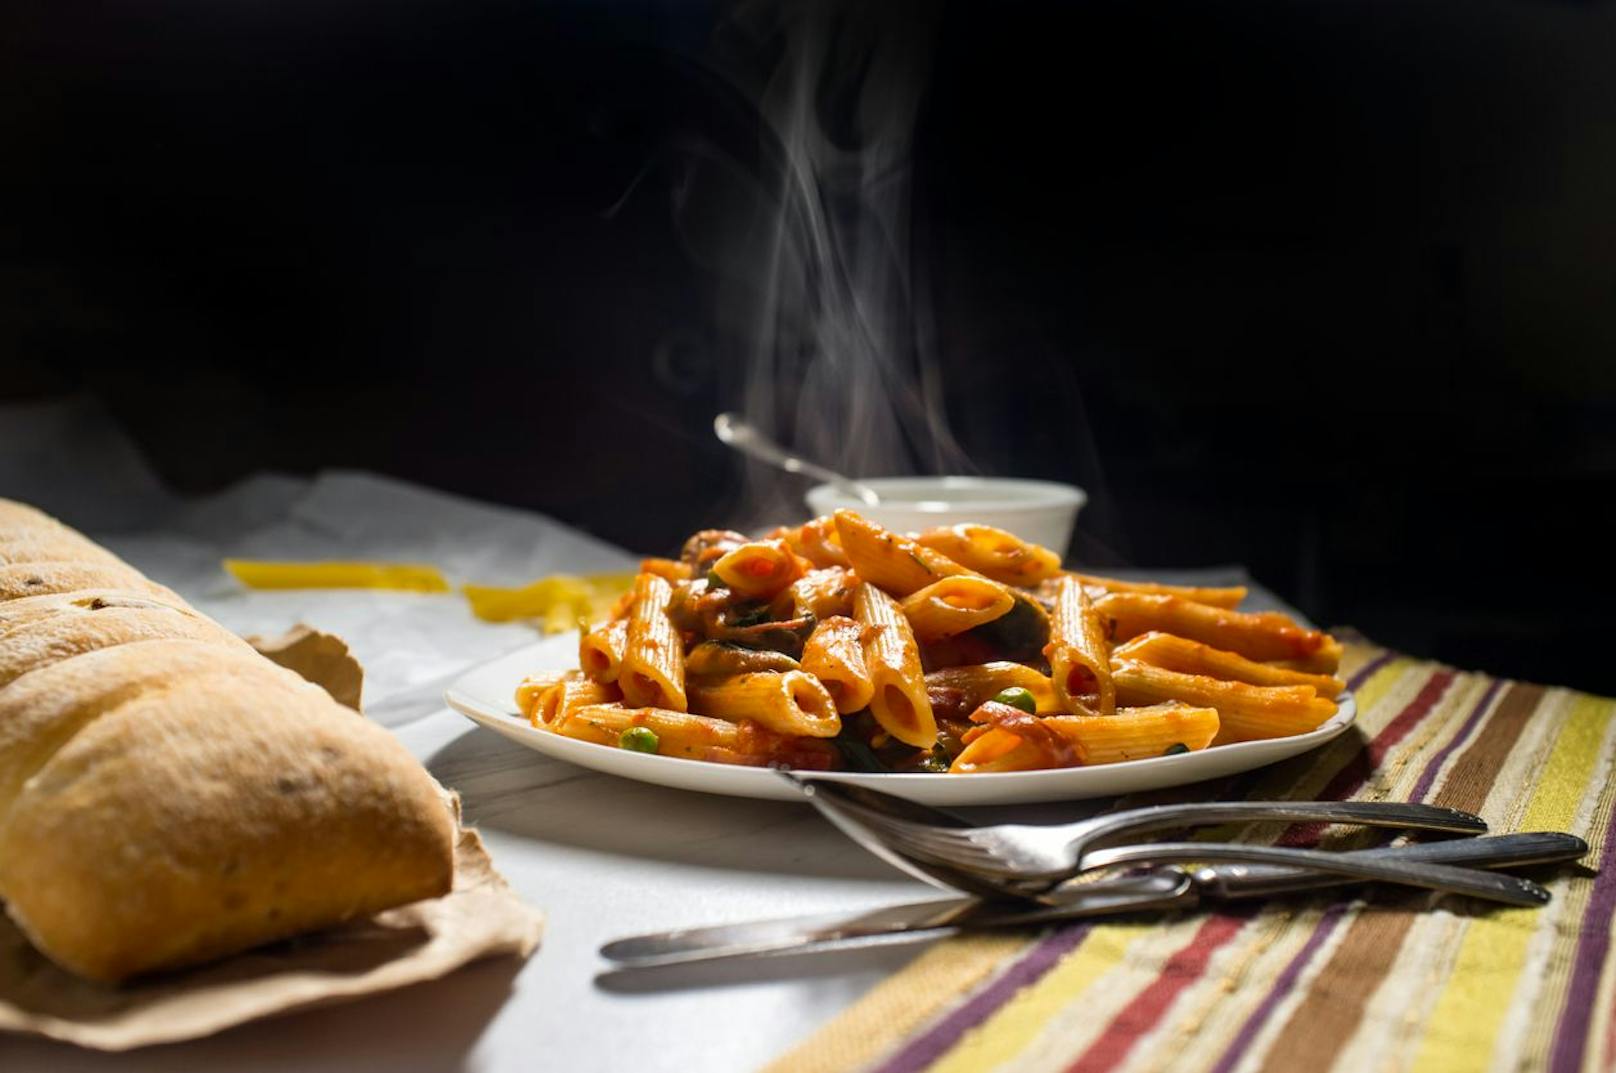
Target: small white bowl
[[1040, 511]]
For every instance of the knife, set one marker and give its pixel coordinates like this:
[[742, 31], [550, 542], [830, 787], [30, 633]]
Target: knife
[[1157, 889]]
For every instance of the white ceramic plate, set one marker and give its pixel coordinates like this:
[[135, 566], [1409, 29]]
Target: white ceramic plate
[[486, 696]]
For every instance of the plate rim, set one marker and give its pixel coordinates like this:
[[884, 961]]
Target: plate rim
[[508, 720]]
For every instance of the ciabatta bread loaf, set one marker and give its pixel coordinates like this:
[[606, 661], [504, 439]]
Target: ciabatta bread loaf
[[168, 796]]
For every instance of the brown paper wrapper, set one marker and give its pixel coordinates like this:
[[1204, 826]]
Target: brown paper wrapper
[[479, 918], [321, 658]]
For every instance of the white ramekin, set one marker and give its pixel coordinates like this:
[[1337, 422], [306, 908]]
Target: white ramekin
[[1040, 511]]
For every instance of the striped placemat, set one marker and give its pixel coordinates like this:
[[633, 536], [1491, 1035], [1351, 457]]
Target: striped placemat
[[1388, 981]]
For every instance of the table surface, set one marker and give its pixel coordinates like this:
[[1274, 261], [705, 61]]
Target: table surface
[[603, 857]]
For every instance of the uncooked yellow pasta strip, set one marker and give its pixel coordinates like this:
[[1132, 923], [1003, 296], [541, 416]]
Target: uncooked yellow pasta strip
[[653, 669], [1079, 654], [600, 651], [791, 703], [955, 604], [834, 654], [979, 682], [758, 569], [1192, 657], [1261, 636], [993, 553], [889, 561], [568, 695], [900, 703], [1246, 712], [1216, 597]]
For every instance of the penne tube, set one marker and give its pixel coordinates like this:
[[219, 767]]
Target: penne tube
[[899, 703], [652, 673], [793, 703], [572, 692], [993, 553], [821, 593], [1245, 712], [666, 569], [1079, 654], [964, 689], [955, 604], [1030, 742], [600, 651], [532, 687], [1229, 597], [834, 654], [889, 561], [1261, 636], [698, 737], [1192, 657], [758, 569], [815, 541]]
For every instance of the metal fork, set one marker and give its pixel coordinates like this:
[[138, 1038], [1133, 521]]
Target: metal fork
[[1019, 861]]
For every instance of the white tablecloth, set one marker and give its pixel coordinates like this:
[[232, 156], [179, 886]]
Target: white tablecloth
[[604, 857]]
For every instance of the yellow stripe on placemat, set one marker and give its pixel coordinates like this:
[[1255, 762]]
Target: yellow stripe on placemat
[[1007, 1032], [898, 1006], [1463, 1027]]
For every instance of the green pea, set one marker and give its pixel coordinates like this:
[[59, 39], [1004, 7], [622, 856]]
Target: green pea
[[640, 739], [1018, 697], [1176, 748]]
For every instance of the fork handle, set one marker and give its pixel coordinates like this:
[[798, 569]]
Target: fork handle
[[1488, 851], [1368, 813], [1511, 890]]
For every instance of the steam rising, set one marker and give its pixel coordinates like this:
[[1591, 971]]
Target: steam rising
[[825, 328]]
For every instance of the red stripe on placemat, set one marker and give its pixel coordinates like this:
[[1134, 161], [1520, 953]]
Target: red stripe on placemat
[[1352, 776], [1148, 1007]]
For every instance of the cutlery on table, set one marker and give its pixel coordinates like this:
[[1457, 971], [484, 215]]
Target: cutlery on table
[[1026, 861], [1163, 888]]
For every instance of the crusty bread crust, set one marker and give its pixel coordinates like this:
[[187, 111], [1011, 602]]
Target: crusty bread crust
[[167, 795], [57, 627], [21, 580]]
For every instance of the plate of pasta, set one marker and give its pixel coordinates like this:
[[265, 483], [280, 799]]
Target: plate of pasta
[[956, 666]]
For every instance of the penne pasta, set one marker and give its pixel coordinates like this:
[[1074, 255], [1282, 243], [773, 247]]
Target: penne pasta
[[758, 569], [652, 673], [600, 651], [1246, 712], [534, 686], [964, 689], [572, 692], [1079, 654], [888, 561], [899, 702], [834, 653], [993, 553], [667, 569], [1192, 657], [1026, 743], [697, 737], [1229, 597], [821, 593], [816, 541], [955, 604], [1261, 636], [789, 703]]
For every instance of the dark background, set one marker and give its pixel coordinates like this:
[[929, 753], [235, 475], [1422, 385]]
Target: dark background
[[1324, 289]]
